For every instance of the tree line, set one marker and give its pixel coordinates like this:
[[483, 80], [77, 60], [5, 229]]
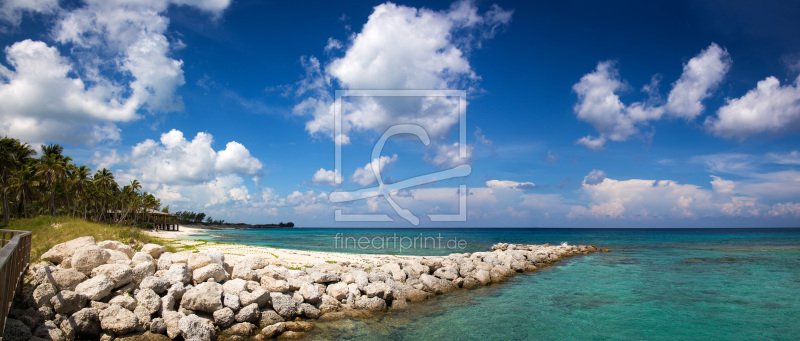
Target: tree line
[[189, 217], [52, 184]]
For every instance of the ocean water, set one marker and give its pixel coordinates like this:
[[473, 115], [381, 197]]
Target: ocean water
[[700, 284]]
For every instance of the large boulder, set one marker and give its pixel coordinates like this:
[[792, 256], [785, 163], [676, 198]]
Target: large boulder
[[143, 314], [241, 329], [269, 317], [165, 261], [379, 289], [118, 320], [235, 286], [324, 277], [59, 252], [117, 273], [259, 296], [338, 291], [284, 305], [436, 285], [224, 317], [194, 328], [95, 288], [206, 297], [83, 324], [16, 331], [49, 331], [371, 304], [153, 250], [117, 246], [172, 320], [246, 267], [142, 271], [249, 313], [117, 257], [43, 293], [88, 257], [67, 302], [231, 301], [149, 299], [68, 279], [178, 273], [213, 270], [158, 326], [157, 284], [309, 292], [142, 257], [394, 269], [275, 285], [124, 301], [274, 330], [203, 258]]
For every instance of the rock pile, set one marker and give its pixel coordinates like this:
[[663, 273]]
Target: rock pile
[[107, 291]]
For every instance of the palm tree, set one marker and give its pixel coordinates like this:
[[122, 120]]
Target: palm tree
[[80, 176], [24, 183], [50, 169], [104, 180]]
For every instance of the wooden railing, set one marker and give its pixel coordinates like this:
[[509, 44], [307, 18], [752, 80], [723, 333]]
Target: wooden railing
[[14, 258]]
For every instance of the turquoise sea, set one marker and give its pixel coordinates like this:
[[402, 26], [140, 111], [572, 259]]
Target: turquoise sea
[[656, 284]]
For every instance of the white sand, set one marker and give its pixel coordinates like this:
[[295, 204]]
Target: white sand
[[185, 238]]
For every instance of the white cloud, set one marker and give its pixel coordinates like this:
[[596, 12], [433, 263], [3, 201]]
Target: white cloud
[[785, 209], [508, 184], [326, 177], [399, 48], [39, 100], [770, 108], [449, 155], [700, 75], [174, 160], [366, 176], [11, 11], [118, 65], [599, 103], [594, 177], [642, 199]]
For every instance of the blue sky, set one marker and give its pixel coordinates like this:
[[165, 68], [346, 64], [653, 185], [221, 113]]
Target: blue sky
[[579, 114]]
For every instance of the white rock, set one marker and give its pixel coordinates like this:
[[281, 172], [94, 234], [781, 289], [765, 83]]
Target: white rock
[[117, 246], [153, 250], [95, 288], [87, 257]]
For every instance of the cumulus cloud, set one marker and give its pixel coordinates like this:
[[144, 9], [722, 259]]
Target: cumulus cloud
[[594, 177], [326, 177], [770, 108], [399, 47], [508, 184], [599, 103], [366, 175], [39, 100], [449, 155], [11, 11], [118, 65], [700, 75], [174, 160]]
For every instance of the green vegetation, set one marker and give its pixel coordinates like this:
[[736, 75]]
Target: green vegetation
[[189, 217], [331, 261], [49, 231], [51, 184]]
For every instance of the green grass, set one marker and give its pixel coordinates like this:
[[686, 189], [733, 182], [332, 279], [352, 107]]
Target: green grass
[[49, 231]]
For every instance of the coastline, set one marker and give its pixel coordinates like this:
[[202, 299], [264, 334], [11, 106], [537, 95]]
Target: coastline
[[86, 288], [290, 257]]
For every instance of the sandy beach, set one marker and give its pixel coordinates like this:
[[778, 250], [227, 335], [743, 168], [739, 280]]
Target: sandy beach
[[185, 238]]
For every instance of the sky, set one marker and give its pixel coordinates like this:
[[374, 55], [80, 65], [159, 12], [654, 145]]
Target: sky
[[574, 113]]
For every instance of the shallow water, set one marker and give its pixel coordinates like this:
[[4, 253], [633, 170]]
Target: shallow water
[[735, 284]]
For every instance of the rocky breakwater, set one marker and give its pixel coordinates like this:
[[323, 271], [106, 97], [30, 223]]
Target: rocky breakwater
[[108, 291]]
